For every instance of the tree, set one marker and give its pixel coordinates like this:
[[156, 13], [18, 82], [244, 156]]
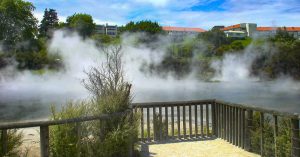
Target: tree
[[143, 26], [18, 26], [83, 23], [48, 23]]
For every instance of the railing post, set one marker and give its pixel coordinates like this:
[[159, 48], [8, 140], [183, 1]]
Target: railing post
[[44, 141], [190, 122], [4, 142], [184, 122], [201, 120], [196, 122], [172, 120], [295, 138], [249, 121]]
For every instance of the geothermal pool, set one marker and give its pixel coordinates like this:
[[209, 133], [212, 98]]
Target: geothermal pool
[[279, 95]]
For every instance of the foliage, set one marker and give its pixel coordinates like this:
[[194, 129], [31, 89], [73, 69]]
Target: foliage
[[142, 26], [83, 23], [283, 138], [48, 23], [110, 94], [216, 38], [14, 142], [69, 139], [18, 26]]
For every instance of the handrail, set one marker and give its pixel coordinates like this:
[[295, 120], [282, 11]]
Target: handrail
[[17, 125], [193, 102]]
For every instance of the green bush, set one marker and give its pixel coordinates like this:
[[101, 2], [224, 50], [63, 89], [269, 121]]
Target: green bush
[[14, 142]]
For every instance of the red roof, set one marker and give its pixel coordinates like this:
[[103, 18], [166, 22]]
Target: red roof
[[182, 29], [231, 27], [290, 29]]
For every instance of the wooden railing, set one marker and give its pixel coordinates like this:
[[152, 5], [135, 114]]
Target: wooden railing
[[201, 119], [44, 129], [210, 118]]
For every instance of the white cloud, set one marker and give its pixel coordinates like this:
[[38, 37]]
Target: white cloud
[[179, 12]]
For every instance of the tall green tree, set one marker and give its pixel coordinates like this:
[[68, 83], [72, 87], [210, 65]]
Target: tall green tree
[[83, 23], [143, 26], [48, 23], [18, 26]]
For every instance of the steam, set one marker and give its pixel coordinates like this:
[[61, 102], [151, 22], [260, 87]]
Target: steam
[[25, 95]]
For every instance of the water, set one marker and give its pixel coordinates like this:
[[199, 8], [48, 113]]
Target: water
[[278, 95]]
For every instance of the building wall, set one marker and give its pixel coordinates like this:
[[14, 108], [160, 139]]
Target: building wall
[[107, 30]]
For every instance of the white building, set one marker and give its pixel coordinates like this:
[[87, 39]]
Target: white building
[[250, 29], [240, 30], [111, 30]]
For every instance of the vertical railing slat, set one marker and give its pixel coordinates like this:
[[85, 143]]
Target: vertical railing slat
[[142, 124], [160, 123], [201, 120], [148, 124], [184, 122], [178, 121], [231, 124], [248, 128], [275, 125], [240, 127], [196, 121], [190, 121], [214, 119], [167, 123], [154, 125], [172, 121], [207, 120], [261, 133]]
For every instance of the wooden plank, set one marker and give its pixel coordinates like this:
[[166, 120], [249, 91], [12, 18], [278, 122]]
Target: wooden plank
[[201, 120], [184, 122], [44, 141], [230, 124], [167, 123], [275, 127], [207, 120], [148, 124], [142, 125], [4, 141], [248, 128], [190, 122], [261, 133], [178, 121], [172, 121], [234, 126], [196, 120], [295, 138]]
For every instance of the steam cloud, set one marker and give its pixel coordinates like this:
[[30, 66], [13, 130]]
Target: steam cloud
[[25, 95]]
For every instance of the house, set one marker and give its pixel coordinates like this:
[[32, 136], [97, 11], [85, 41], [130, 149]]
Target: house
[[111, 30], [240, 30], [271, 31], [250, 29], [182, 31]]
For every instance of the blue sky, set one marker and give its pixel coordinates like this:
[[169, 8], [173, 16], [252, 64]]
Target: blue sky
[[186, 13]]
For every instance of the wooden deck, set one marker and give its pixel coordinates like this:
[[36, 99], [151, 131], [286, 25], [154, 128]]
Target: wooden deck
[[205, 148]]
